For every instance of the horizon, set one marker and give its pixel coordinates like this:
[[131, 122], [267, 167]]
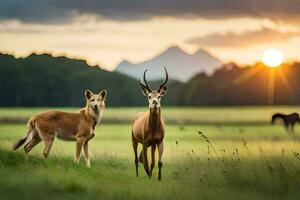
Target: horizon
[[56, 55], [256, 63], [105, 34]]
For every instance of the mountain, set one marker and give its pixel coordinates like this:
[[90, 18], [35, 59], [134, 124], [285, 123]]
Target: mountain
[[44, 80], [181, 65]]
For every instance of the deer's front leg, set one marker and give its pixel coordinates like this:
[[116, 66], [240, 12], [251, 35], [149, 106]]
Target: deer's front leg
[[160, 147], [153, 147], [86, 154], [79, 143], [145, 160]]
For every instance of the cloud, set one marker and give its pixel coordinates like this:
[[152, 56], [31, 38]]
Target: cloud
[[41, 11], [63, 11], [229, 39]]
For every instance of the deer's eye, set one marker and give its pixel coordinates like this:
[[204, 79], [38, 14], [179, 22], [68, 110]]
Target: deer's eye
[[92, 100], [149, 97]]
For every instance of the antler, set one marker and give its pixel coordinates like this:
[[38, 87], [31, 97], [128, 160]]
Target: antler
[[165, 82], [145, 86]]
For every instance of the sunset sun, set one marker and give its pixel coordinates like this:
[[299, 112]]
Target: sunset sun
[[272, 58]]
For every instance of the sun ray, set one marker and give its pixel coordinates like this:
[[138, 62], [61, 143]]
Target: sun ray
[[271, 87], [283, 79], [247, 75]]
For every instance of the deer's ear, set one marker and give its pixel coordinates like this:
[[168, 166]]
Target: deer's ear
[[163, 90], [103, 94], [145, 91], [88, 94]]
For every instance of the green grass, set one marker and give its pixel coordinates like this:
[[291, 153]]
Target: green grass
[[239, 162], [247, 115]]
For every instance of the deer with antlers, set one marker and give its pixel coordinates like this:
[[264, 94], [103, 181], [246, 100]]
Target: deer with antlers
[[149, 127]]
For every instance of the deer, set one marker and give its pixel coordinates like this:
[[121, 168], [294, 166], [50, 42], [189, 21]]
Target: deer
[[76, 126], [288, 120], [148, 128]]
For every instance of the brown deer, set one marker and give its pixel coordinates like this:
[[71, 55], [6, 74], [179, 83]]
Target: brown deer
[[149, 127], [79, 127]]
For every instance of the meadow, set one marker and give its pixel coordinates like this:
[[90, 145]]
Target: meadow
[[210, 153], [239, 115]]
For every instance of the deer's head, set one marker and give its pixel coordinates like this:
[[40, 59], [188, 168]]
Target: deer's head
[[154, 96], [96, 101]]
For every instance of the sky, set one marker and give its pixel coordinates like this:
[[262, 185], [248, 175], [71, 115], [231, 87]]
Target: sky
[[105, 32]]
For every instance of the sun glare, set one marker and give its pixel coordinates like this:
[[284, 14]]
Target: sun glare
[[272, 58]]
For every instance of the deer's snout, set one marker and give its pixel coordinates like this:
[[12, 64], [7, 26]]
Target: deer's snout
[[154, 101], [96, 108]]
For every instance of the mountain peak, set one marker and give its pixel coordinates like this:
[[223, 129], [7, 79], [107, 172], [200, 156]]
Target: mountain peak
[[173, 47], [181, 65], [125, 62], [173, 51], [201, 52]]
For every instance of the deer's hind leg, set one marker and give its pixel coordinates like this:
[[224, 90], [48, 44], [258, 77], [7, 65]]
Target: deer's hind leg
[[293, 130], [47, 134], [32, 143], [48, 140], [287, 126]]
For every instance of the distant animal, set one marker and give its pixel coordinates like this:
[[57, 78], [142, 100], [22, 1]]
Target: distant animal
[[148, 128], [79, 127], [289, 121]]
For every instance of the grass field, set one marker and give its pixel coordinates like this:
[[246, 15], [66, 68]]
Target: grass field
[[206, 115], [237, 161]]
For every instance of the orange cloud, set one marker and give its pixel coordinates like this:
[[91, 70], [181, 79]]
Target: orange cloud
[[246, 39]]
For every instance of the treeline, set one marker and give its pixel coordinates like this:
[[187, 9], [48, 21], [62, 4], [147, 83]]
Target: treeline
[[255, 85], [43, 80]]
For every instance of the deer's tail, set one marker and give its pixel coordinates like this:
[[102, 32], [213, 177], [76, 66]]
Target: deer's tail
[[27, 137]]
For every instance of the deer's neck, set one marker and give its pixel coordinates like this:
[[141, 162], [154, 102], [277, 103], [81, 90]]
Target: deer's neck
[[93, 116], [154, 118]]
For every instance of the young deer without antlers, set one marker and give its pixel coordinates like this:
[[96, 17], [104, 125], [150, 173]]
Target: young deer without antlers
[[79, 127], [149, 127]]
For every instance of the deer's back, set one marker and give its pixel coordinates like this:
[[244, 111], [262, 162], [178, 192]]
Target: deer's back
[[63, 124]]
